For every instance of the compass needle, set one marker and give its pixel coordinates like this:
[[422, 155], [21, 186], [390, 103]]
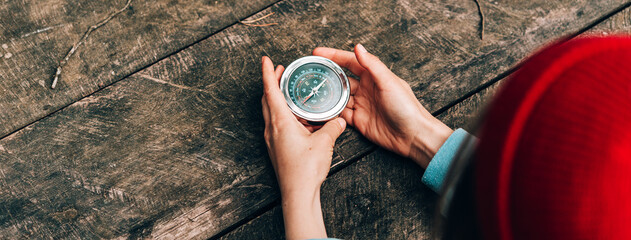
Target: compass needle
[[316, 89]]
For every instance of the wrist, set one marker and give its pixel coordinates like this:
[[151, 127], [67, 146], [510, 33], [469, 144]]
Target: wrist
[[299, 193], [302, 214], [305, 187], [306, 201], [426, 143]]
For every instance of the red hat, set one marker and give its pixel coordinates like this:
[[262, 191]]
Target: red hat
[[554, 159]]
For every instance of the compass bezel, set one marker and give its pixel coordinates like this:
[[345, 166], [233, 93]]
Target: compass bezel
[[339, 75]]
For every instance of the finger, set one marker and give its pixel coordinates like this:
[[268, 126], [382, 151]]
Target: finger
[[265, 108], [372, 64], [351, 103], [312, 128], [279, 71], [316, 127], [354, 85], [275, 99], [343, 58], [332, 130], [301, 121], [347, 115]]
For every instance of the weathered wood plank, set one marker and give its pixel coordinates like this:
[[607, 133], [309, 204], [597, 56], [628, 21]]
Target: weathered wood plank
[[467, 113], [617, 24], [380, 196], [175, 151], [35, 36], [410, 207]]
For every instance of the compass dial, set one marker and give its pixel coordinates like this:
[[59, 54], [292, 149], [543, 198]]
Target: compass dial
[[316, 89]]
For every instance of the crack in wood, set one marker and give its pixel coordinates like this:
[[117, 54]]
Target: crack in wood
[[477, 2], [253, 23], [82, 40], [38, 31], [441, 110], [208, 88]]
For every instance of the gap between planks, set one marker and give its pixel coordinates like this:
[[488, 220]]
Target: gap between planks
[[466, 96], [514, 68], [341, 166], [142, 68]]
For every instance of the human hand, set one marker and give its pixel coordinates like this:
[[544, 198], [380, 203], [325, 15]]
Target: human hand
[[301, 158], [384, 109]]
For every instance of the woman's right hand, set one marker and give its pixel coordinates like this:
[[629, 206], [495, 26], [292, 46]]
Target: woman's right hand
[[384, 109]]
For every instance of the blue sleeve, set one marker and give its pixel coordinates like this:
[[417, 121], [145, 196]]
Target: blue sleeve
[[439, 165]]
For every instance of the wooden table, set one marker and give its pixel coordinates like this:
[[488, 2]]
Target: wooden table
[[154, 129]]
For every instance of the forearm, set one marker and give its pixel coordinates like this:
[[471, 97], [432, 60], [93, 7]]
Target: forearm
[[303, 215], [427, 141]]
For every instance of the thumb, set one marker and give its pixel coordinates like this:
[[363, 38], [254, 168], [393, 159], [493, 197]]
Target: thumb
[[332, 130], [380, 72]]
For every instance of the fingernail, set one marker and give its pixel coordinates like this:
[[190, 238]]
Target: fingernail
[[361, 48], [341, 121]]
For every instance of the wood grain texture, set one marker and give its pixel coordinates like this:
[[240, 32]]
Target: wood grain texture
[[380, 196], [467, 114], [304, 21], [37, 34], [176, 150], [410, 207], [617, 24]]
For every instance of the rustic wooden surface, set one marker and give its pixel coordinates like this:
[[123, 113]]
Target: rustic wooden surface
[[378, 197], [619, 23], [352, 214], [381, 196], [38, 33], [175, 150]]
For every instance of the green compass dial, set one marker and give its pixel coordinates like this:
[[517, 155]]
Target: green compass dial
[[314, 88]]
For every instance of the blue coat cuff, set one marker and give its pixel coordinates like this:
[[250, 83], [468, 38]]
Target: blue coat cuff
[[439, 165]]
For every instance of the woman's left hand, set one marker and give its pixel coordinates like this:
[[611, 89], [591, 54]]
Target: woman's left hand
[[301, 157]]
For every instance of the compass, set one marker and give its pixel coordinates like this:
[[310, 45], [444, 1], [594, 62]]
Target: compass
[[315, 88]]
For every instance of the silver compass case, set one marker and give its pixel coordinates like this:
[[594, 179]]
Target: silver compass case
[[322, 68]]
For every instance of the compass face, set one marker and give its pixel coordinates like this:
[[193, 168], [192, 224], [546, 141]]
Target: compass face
[[316, 89]]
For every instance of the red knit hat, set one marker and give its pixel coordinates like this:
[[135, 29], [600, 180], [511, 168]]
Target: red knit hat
[[554, 159]]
